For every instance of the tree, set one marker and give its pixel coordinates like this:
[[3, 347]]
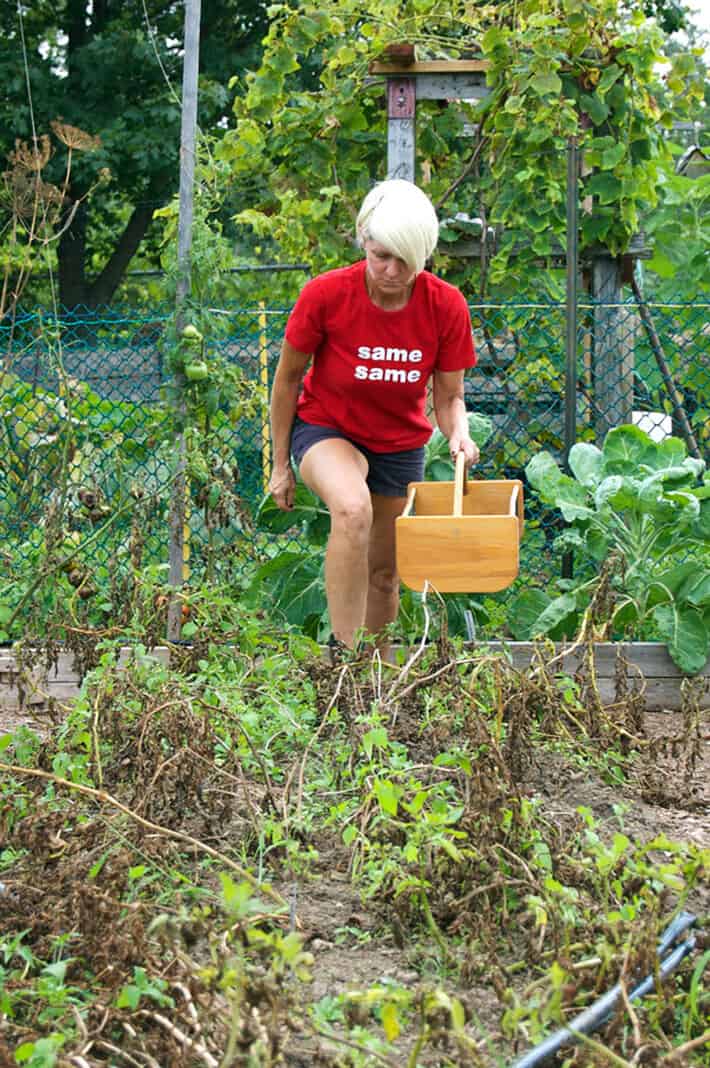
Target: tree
[[589, 70], [103, 66]]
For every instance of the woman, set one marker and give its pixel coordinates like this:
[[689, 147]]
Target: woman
[[356, 425]]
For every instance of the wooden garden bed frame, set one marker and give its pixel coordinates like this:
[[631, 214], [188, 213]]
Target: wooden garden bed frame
[[36, 688]]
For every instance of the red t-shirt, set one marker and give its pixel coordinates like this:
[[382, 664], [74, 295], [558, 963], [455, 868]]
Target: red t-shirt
[[370, 366]]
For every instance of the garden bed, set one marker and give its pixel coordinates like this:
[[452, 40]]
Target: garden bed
[[467, 851]]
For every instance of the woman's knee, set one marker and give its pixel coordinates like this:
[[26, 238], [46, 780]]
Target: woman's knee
[[384, 580], [351, 516]]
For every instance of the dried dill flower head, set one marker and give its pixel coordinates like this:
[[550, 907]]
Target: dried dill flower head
[[73, 137], [31, 157]]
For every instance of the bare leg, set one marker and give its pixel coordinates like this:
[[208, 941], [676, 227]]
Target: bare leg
[[336, 471], [383, 584]]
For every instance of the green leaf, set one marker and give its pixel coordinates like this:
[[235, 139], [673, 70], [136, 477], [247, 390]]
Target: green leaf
[[524, 612], [307, 509], [458, 1015], [595, 107], [612, 156], [562, 610], [543, 473], [375, 738], [390, 1021], [684, 630], [349, 834], [546, 83], [294, 583], [387, 795], [625, 615], [239, 899], [585, 462], [605, 186], [609, 76], [624, 449], [616, 491], [480, 428]]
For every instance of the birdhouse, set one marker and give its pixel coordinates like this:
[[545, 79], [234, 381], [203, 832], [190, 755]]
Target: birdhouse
[[694, 162]]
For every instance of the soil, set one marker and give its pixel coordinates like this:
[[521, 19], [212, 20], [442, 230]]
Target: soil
[[327, 905], [355, 944]]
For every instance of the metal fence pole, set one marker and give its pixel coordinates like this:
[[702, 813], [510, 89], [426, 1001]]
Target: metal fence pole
[[572, 262]]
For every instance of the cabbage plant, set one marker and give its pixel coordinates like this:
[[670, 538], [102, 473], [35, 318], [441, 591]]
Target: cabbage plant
[[638, 512]]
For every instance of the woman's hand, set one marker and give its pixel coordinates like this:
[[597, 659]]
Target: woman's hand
[[463, 443], [282, 487]]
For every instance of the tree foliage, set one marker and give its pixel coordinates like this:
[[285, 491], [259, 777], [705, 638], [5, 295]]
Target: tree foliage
[[114, 69], [557, 69]]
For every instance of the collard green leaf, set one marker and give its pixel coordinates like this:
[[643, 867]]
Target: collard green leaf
[[670, 452], [668, 584], [625, 448], [544, 474], [625, 615], [697, 588], [562, 610], [524, 612], [597, 543], [585, 461], [480, 427], [684, 630], [556, 488], [617, 492]]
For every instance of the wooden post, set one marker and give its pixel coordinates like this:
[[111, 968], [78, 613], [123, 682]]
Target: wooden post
[[401, 108], [179, 544], [613, 355]]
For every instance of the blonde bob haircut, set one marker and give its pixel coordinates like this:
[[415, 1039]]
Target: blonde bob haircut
[[401, 218]]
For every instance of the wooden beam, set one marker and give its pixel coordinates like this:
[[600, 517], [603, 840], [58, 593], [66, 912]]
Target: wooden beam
[[431, 66]]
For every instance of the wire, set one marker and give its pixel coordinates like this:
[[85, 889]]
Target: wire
[[30, 104], [27, 72], [151, 37]]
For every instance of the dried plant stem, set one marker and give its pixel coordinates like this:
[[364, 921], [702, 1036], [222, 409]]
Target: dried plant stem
[[188, 1043], [602, 1050], [627, 1003], [178, 836], [302, 765], [687, 1047], [339, 1040]]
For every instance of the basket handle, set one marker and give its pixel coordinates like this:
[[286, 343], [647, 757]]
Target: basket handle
[[460, 484]]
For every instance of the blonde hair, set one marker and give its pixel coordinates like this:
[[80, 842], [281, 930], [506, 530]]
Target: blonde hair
[[400, 217]]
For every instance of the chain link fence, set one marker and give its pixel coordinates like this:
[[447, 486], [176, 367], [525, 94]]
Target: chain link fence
[[85, 430]]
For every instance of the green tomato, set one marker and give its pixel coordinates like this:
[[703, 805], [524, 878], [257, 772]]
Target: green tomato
[[191, 333], [197, 372]]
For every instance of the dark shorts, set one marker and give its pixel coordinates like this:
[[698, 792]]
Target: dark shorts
[[389, 473]]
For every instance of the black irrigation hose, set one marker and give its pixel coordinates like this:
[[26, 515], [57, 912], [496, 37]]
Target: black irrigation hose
[[598, 1013]]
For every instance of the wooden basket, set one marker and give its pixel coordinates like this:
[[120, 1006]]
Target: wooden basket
[[461, 536]]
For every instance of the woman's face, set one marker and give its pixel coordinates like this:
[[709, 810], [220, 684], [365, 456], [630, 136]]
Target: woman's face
[[388, 274]]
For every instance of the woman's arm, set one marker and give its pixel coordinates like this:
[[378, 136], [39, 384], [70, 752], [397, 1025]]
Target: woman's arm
[[450, 411], [284, 395]]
